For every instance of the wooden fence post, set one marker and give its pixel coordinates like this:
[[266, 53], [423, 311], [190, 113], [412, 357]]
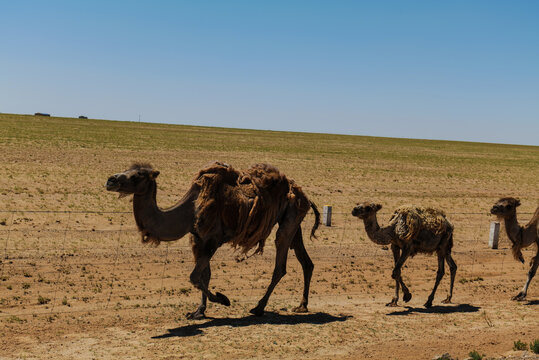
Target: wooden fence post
[[494, 235], [326, 215]]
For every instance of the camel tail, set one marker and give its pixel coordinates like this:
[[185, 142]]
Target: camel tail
[[316, 219], [450, 242]]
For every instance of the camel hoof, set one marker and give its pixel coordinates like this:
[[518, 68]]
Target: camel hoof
[[428, 304], [393, 303], [447, 301], [222, 299], [300, 309], [195, 315], [257, 311], [519, 297], [407, 297]]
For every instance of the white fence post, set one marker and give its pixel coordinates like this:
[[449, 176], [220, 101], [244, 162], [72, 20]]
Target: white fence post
[[494, 235], [326, 215]]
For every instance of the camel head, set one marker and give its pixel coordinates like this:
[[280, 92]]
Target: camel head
[[505, 207], [365, 209], [135, 180]]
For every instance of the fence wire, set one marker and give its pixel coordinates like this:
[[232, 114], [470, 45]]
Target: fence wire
[[61, 262]]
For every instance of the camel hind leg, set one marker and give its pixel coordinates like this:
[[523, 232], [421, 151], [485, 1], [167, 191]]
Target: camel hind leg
[[453, 269], [439, 276], [307, 266], [286, 232]]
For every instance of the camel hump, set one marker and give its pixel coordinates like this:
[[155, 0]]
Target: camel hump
[[265, 176], [246, 203], [226, 172], [258, 177], [410, 220], [269, 180]]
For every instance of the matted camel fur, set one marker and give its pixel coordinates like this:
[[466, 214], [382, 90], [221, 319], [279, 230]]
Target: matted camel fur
[[409, 220], [248, 201]]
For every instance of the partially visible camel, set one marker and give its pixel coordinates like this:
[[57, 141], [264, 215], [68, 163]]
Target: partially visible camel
[[520, 236], [224, 205], [412, 230]]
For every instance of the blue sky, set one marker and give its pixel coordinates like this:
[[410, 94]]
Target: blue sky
[[454, 70]]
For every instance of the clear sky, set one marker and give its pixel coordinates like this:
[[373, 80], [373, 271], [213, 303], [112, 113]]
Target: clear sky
[[455, 70]]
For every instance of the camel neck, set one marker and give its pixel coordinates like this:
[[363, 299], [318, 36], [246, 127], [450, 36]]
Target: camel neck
[[513, 229], [164, 225], [377, 235]]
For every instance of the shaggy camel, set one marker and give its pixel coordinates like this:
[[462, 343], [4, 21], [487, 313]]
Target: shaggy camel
[[412, 230], [224, 205], [520, 236]]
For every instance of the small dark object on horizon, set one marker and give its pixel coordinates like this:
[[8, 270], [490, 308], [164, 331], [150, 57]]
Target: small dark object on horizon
[[42, 114], [83, 117]]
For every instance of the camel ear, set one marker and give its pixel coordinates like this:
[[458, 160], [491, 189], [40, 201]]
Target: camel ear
[[154, 174], [377, 207], [517, 203]]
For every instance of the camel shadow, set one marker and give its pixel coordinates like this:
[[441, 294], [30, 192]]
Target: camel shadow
[[268, 318], [532, 302], [451, 309]]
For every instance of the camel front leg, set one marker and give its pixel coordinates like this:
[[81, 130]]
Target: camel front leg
[[535, 264], [197, 278], [407, 296], [439, 275], [307, 266], [395, 300], [396, 255], [400, 261], [200, 312]]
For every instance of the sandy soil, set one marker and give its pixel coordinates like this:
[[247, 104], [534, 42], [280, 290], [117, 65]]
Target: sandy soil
[[127, 300]]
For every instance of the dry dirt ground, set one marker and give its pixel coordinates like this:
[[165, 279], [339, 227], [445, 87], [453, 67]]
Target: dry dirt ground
[[77, 283]]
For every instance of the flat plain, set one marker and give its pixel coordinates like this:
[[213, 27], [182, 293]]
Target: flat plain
[[76, 282]]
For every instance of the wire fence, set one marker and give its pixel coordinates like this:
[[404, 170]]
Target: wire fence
[[58, 262]]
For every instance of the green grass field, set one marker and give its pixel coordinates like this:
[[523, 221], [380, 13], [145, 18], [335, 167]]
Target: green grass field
[[45, 157]]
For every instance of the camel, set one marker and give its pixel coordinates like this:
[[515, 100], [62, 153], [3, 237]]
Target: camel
[[224, 205], [412, 230], [520, 236]]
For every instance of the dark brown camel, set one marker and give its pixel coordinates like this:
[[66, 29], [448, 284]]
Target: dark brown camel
[[412, 230], [520, 236], [224, 205]]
